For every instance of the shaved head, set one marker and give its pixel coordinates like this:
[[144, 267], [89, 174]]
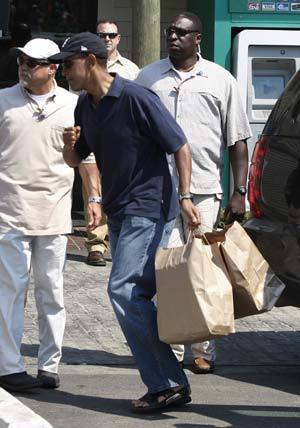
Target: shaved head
[[184, 38], [196, 23]]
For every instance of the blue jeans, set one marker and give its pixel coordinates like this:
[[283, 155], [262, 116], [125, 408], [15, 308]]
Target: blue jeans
[[131, 287]]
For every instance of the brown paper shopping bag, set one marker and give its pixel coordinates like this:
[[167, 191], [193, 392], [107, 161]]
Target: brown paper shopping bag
[[194, 294], [255, 287]]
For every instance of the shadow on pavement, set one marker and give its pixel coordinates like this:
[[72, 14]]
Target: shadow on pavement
[[259, 348], [77, 356], [240, 354], [252, 416], [82, 258], [111, 406], [77, 257], [240, 416], [274, 378], [246, 416]]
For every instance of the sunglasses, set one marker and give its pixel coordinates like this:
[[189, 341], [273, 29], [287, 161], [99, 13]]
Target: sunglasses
[[180, 32], [110, 35], [31, 63]]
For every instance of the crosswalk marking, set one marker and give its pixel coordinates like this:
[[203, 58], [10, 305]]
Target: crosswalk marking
[[14, 414]]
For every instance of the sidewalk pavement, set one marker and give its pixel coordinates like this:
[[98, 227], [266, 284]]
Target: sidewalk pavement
[[256, 381]]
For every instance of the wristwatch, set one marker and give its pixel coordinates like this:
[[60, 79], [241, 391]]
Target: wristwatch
[[96, 199], [241, 190], [187, 195]]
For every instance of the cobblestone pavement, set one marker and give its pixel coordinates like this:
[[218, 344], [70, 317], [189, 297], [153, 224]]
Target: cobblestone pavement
[[93, 336]]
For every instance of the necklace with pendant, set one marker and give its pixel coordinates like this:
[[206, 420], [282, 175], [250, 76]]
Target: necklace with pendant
[[39, 113]]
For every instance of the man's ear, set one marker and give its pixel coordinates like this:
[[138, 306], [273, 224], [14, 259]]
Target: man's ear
[[199, 38], [118, 39], [53, 68], [91, 60]]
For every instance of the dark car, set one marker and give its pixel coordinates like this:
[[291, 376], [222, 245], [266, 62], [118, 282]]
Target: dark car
[[274, 192]]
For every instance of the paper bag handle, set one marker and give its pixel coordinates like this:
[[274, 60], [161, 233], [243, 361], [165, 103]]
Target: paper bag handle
[[191, 234], [203, 236]]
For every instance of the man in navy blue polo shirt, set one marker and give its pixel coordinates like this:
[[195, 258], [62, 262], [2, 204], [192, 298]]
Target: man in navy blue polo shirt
[[130, 132]]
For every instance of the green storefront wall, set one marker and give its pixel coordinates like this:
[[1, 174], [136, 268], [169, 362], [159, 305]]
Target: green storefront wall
[[223, 19]]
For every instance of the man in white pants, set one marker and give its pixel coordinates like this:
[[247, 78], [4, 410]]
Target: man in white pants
[[35, 207], [204, 100]]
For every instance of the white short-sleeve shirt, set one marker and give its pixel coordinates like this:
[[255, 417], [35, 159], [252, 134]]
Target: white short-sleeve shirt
[[35, 182], [206, 104]]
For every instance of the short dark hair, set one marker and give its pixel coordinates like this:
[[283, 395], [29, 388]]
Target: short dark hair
[[102, 62], [107, 22], [193, 18]]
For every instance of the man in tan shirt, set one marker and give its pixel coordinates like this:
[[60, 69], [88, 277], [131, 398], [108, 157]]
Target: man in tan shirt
[[35, 213], [116, 63], [108, 31]]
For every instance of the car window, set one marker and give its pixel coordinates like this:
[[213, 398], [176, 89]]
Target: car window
[[285, 116]]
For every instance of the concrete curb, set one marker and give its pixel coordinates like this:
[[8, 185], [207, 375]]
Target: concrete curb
[[13, 414]]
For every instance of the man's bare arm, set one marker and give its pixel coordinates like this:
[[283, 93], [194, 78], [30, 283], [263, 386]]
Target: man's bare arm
[[91, 181], [238, 155], [90, 178], [183, 162], [89, 175]]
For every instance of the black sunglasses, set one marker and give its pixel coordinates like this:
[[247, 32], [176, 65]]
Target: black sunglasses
[[110, 35], [31, 63], [180, 32]]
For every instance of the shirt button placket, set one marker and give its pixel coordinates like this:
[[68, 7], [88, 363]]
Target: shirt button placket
[[178, 99]]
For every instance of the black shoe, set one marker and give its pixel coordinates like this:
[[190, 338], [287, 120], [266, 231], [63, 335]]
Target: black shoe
[[19, 382], [48, 380]]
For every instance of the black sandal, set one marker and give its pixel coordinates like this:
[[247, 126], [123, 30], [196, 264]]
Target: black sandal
[[172, 397]]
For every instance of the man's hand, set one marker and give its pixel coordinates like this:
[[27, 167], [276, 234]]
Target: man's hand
[[94, 215], [235, 209], [190, 213], [70, 136]]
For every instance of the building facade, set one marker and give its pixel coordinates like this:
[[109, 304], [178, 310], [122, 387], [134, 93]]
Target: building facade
[[58, 19]]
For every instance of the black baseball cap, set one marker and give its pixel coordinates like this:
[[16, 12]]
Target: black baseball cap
[[80, 44]]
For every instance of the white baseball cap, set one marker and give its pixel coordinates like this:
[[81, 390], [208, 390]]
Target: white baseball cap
[[40, 48]]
